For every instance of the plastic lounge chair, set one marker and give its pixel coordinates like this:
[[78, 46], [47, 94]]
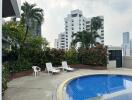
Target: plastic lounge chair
[[36, 69], [66, 67], [52, 69]]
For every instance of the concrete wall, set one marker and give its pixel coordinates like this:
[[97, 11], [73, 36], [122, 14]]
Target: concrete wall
[[127, 61], [111, 64]]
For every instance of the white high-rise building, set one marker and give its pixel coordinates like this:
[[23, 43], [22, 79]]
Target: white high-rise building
[[60, 42], [126, 44], [76, 22]]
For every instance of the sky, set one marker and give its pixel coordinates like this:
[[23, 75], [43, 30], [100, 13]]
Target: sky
[[117, 16]]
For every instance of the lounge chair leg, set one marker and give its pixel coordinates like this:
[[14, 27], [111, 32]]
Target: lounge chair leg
[[48, 72], [35, 74]]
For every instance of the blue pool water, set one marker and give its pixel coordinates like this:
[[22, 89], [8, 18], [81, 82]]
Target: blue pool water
[[86, 87]]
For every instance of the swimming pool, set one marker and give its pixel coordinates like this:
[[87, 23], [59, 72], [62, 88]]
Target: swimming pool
[[91, 86]]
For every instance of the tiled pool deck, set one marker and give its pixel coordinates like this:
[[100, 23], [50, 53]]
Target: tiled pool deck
[[44, 86]]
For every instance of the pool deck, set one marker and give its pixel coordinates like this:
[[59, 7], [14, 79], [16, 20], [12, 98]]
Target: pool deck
[[44, 86]]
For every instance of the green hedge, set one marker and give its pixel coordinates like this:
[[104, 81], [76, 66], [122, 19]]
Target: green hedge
[[93, 56], [5, 76]]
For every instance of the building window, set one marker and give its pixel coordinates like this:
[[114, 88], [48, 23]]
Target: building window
[[65, 21], [87, 22], [72, 20], [72, 28], [72, 24], [80, 15], [87, 25], [62, 38], [66, 32], [74, 15], [102, 37]]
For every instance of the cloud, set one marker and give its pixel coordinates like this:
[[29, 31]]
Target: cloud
[[117, 16]]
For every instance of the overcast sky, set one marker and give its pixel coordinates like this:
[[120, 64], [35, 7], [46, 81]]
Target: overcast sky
[[117, 16]]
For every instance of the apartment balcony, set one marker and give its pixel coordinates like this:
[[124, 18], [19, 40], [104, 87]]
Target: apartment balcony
[[11, 8]]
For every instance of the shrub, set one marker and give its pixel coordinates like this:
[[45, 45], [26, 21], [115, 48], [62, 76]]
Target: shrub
[[39, 57], [20, 65], [93, 56], [56, 56], [5, 75], [71, 56]]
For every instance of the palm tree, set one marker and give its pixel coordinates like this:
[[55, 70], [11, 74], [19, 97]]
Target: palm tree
[[30, 16], [88, 38], [96, 24], [83, 37]]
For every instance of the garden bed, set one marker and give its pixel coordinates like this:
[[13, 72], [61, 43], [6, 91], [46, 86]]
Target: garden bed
[[78, 66], [20, 74], [81, 66]]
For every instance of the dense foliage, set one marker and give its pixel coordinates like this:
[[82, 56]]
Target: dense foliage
[[71, 56], [93, 56], [5, 73]]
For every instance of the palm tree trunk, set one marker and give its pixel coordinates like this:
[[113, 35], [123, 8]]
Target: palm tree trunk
[[22, 44], [27, 28]]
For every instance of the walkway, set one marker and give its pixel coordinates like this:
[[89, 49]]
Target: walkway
[[43, 87]]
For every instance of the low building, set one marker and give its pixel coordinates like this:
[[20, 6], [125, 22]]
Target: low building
[[114, 56]]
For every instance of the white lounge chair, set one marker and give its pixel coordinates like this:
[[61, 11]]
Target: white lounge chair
[[52, 69], [36, 69], [66, 67]]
